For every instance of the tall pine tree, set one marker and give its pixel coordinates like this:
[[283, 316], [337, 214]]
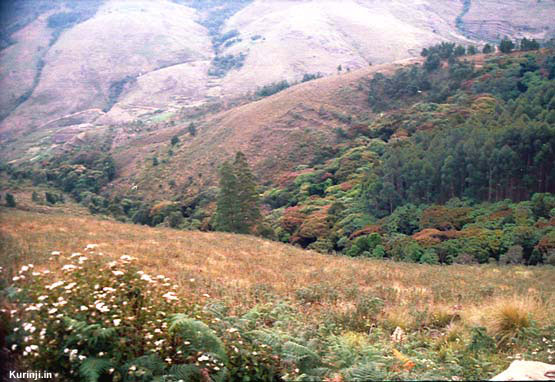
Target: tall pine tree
[[238, 203]]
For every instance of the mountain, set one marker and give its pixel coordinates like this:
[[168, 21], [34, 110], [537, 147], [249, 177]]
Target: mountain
[[106, 62]]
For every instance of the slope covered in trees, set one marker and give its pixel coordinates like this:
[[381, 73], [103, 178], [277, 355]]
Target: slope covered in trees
[[457, 167]]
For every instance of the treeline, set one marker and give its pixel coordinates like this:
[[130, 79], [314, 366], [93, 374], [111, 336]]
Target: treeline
[[276, 87]]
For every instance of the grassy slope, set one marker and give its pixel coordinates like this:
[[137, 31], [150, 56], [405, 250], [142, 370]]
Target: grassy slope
[[276, 133], [244, 271]]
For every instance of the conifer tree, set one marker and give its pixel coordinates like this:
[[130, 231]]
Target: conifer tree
[[226, 211], [237, 209]]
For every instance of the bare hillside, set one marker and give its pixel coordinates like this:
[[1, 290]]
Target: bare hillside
[[94, 62], [285, 39], [126, 59], [493, 19]]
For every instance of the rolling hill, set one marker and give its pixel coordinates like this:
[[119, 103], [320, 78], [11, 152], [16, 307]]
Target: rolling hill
[[107, 62]]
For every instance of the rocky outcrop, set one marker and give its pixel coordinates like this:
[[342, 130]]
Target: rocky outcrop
[[527, 371]]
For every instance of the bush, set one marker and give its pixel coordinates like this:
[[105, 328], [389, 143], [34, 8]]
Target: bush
[[273, 88], [10, 200], [365, 245], [108, 321], [514, 255], [506, 45]]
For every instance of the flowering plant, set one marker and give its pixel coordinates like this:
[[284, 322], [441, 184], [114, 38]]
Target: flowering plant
[[96, 319]]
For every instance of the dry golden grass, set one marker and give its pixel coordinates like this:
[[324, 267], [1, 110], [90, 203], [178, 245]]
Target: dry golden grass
[[504, 317], [244, 270]]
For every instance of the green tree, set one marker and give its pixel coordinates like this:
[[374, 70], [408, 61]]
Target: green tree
[[506, 45], [238, 202], [10, 200], [459, 51], [487, 49], [432, 62], [526, 44], [471, 50], [50, 198], [175, 140]]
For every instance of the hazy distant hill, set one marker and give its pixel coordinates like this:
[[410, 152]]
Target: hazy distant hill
[[124, 59]]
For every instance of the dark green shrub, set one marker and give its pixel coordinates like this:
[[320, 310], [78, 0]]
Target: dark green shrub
[[10, 200]]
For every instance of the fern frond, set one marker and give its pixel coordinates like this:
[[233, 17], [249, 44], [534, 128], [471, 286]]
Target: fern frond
[[185, 372], [364, 373], [267, 337], [92, 368], [201, 337], [301, 355], [217, 309], [252, 315]]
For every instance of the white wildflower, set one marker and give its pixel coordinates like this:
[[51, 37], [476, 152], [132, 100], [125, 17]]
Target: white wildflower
[[55, 253], [170, 296], [147, 278], [117, 321], [117, 273], [68, 267], [75, 254], [91, 247], [55, 285], [203, 358], [158, 343]]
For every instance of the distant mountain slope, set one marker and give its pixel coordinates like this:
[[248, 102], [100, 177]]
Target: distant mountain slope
[[125, 59], [493, 19], [91, 63], [298, 37], [276, 133]]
